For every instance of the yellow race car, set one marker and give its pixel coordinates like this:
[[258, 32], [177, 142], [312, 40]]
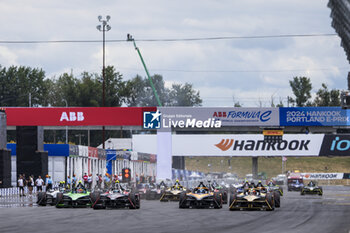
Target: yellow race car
[[172, 193], [201, 197], [254, 198]]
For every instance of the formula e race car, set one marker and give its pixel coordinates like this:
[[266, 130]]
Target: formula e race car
[[201, 197], [49, 197], [295, 185], [142, 189], [220, 189], [78, 197], [271, 186], [154, 191], [116, 197], [254, 198], [172, 193], [311, 188]]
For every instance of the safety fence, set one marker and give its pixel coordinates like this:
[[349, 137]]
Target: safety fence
[[15, 191]]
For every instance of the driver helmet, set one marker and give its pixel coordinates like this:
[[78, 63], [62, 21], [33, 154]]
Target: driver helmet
[[117, 181]]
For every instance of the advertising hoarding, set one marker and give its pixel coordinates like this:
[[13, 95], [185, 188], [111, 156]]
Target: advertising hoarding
[[234, 145], [322, 176], [336, 145], [228, 116], [314, 116], [76, 116]]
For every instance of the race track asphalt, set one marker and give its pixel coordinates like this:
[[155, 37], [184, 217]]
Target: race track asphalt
[[327, 214]]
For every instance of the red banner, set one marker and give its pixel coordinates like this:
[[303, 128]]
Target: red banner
[[93, 152], [76, 116]]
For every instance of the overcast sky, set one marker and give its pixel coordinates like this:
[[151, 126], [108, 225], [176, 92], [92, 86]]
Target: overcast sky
[[252, 71]]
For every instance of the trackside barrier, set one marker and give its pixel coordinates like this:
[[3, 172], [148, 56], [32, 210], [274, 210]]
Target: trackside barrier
[[7, 192]]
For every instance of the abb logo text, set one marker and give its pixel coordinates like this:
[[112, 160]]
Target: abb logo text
[[220, 114], [72, 116]]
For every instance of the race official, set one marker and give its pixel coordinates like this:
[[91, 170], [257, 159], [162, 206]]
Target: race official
[[48, 183]]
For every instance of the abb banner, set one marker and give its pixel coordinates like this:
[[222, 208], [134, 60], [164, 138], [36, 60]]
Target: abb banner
[[76, 116]]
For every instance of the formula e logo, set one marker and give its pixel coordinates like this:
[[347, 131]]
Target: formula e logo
[[152, 120], [225, 144]]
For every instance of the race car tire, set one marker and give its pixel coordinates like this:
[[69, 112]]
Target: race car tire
[[148, 194], [162, 195], [281, 190], [233, 198], [321, 192], [42, 199], [224, 197], [269, 199], [277, 199], [217, 201], [94, 198], [182, 200], [59, 199], [135, 201]]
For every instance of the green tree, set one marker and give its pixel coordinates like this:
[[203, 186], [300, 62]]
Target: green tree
[[184, 95], [139, 93], [20, 84], [90, 90], [115, 93], [301, 87], [66, 89], [324, 97]]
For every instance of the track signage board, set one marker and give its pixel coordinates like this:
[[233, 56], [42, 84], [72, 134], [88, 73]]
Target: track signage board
[[322, 176], [246, 145], [187, 117], [336, 145], [314, 116], [76, 116]]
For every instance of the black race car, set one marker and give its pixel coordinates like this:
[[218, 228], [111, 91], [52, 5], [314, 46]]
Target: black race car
[[154, 191], [172, 193], [311, 188], [271, 186], [49, 197], [116, 197], [200, 197], [220, 189], [254, 198], [77, 197]]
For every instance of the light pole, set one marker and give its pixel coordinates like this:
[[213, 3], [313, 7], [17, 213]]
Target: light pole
[[104, 27], [66, 125]]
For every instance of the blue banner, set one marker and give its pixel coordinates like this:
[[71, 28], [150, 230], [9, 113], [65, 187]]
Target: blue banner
[[314, 116]]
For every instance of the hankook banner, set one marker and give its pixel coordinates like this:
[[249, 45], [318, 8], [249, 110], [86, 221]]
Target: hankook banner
[[323, 176], [246, 145]]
